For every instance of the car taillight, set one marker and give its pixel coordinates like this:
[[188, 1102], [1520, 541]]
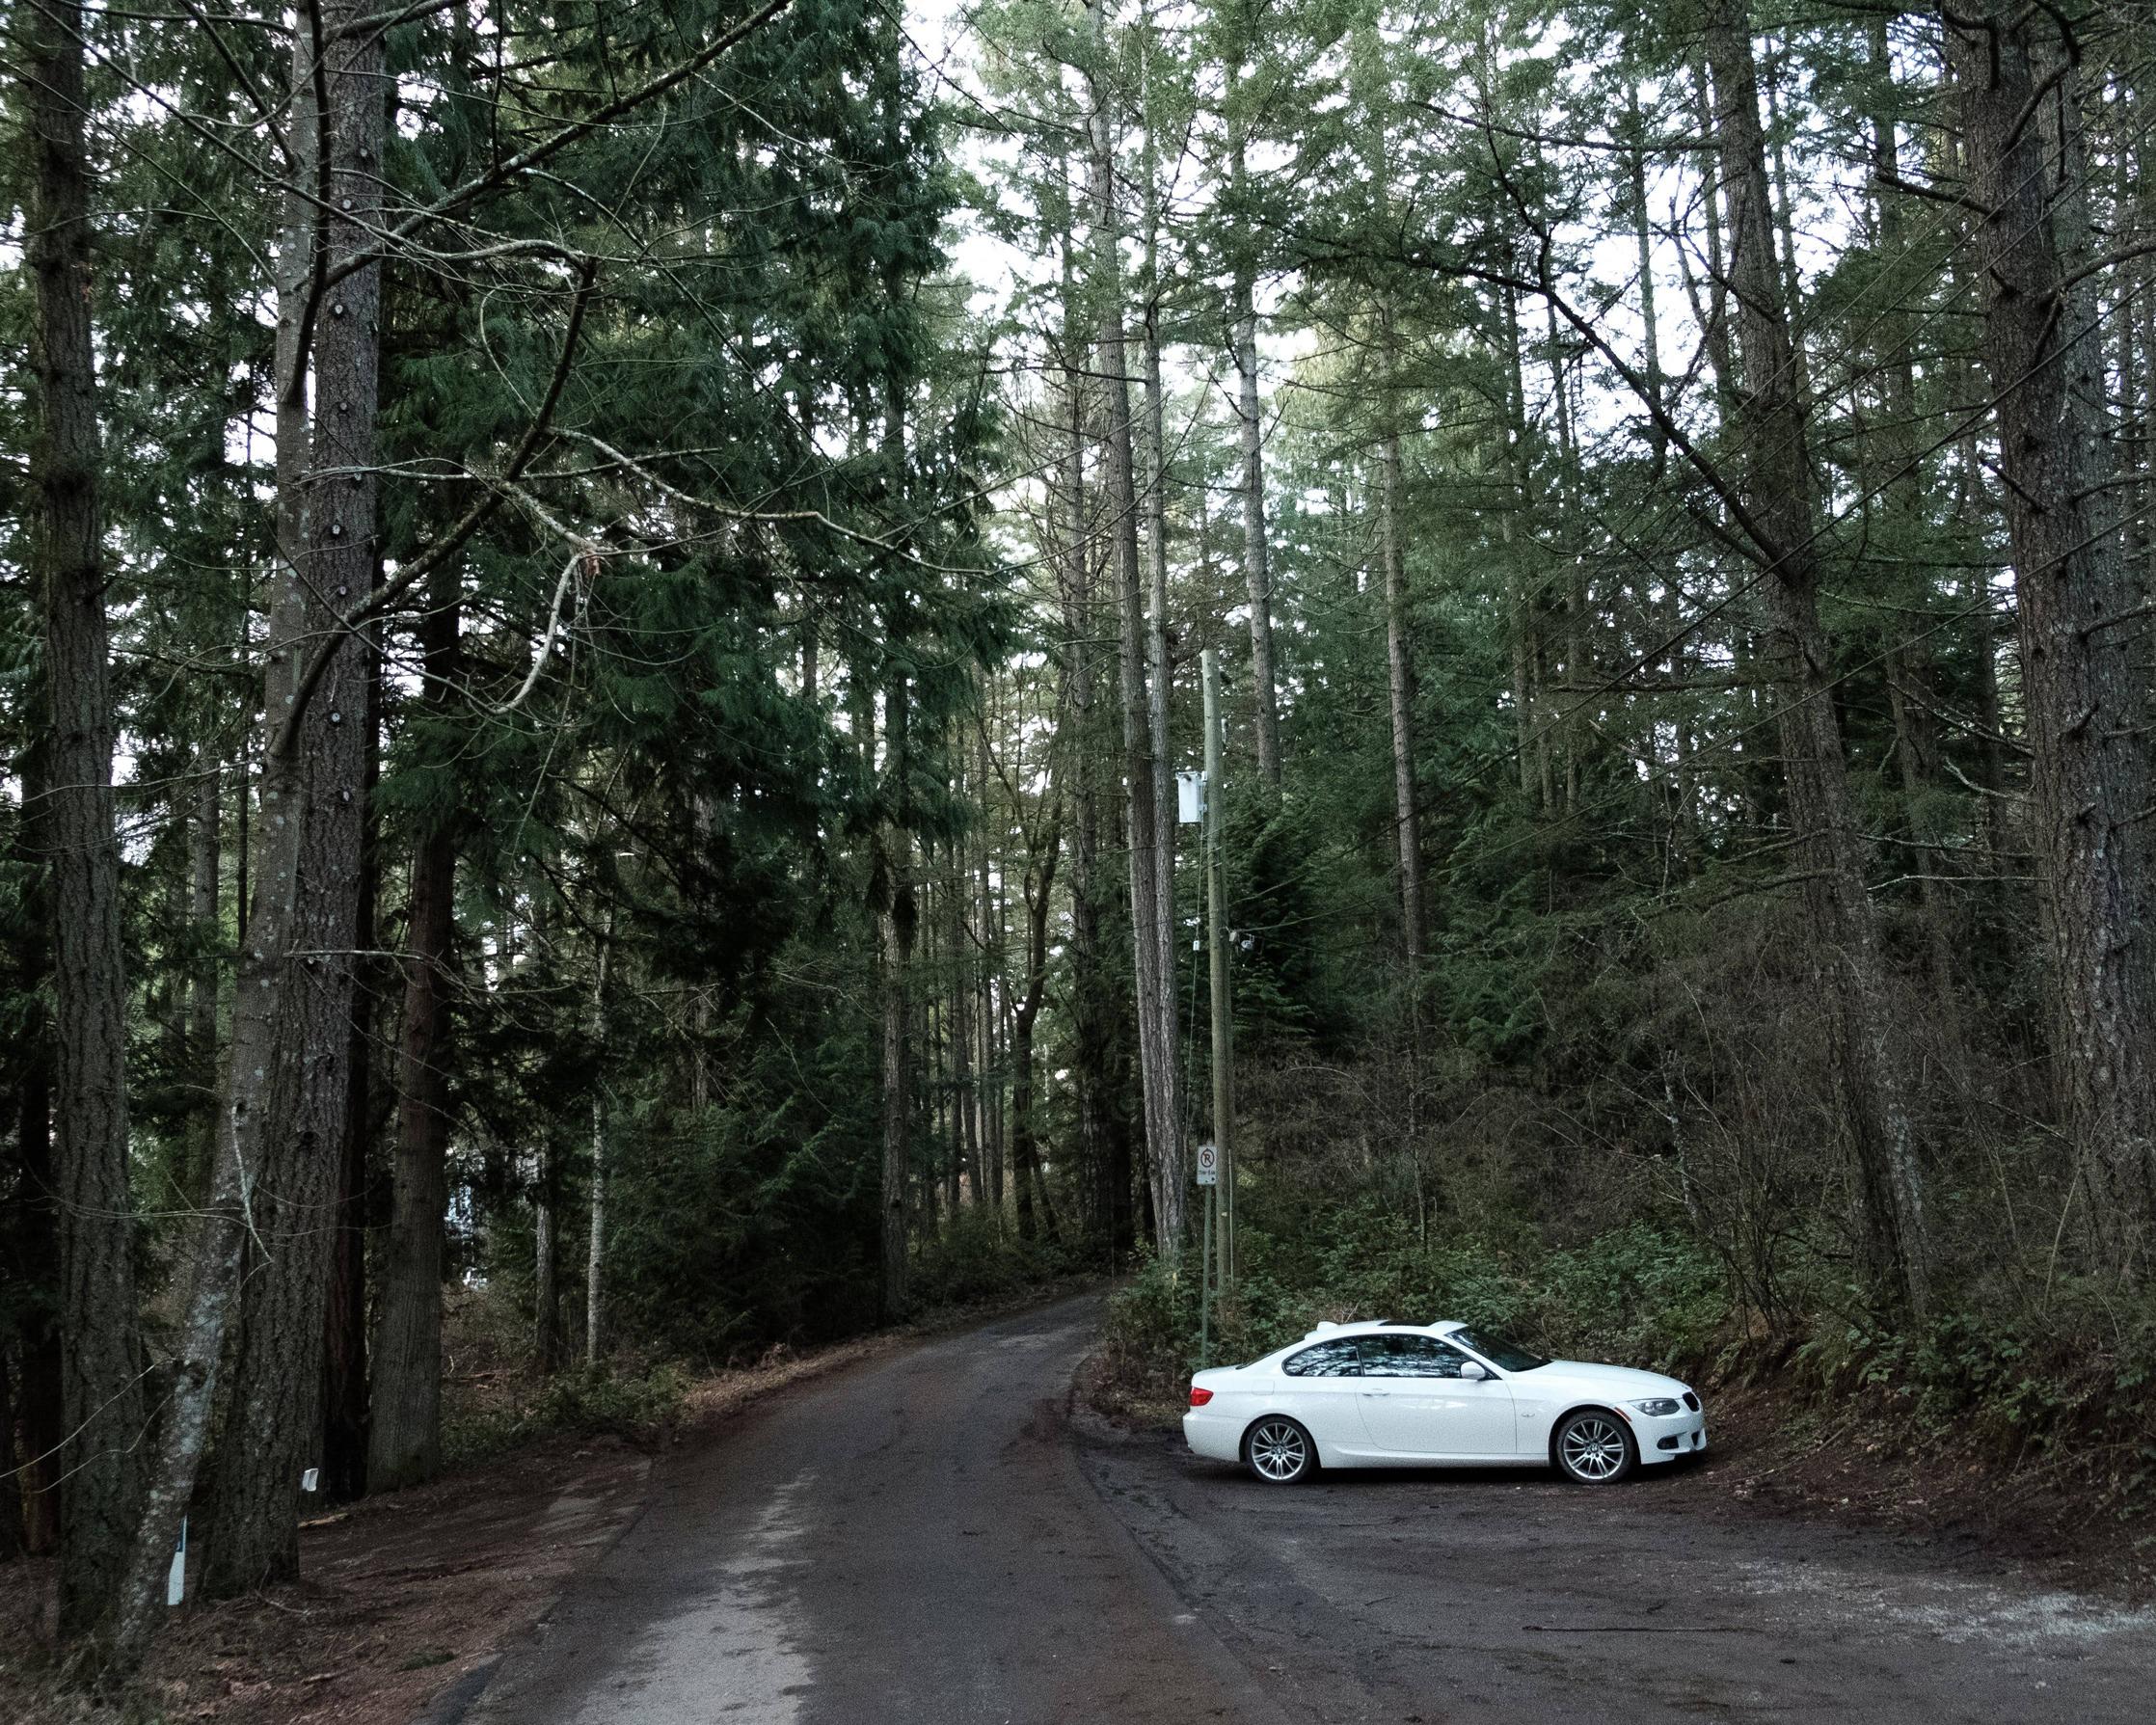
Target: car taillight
[[1200, 1397]]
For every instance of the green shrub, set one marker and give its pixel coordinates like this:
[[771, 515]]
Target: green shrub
[[2075, 1372], [1639, 1296]]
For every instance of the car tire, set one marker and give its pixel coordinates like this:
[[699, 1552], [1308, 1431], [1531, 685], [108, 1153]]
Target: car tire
[[1593, 1447], [1279, 1451]]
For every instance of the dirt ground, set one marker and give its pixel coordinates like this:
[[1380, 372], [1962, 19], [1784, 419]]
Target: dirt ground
[[399, 1597], [1780, 1456]]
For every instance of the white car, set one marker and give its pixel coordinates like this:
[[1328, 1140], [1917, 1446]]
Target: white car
[[1411, 1395]]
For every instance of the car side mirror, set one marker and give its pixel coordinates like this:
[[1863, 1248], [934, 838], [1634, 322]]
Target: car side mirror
[[1474, 1372]]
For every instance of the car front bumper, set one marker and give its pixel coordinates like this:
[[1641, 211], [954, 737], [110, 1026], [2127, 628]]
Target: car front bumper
[[1669, 1436]]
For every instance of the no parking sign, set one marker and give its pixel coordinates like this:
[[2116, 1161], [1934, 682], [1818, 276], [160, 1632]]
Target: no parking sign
[[1208, 1164]]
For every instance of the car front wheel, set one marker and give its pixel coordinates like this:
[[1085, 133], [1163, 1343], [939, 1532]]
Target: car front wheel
[[1594, 1448], [1279, 1451]]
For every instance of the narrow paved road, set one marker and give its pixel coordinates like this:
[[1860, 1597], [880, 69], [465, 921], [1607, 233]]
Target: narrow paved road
[[927, 1539]]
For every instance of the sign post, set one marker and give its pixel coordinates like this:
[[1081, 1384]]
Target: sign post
[[1207, 1166]]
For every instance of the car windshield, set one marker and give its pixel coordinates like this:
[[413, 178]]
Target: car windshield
[[1504, 1355]]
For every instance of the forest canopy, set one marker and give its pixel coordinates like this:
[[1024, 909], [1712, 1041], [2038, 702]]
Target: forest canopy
[[600, 606]]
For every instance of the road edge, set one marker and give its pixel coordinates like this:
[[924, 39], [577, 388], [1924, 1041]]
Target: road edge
[[1250, 1701]]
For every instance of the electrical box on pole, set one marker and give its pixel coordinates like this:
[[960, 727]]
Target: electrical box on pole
[[1190, 798]]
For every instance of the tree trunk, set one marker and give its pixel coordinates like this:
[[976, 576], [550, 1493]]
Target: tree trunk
[[292, 989], [1160, 665], [965, 1135], [1024, 1161], [2072, 589], [404, 1445], [1902, 497], [276, 1391], [1518, 604], [545, 1284], [1156, 1003], [1257, 572], [102, 1405], [37, 1227], [987, 1080], [205, 865], [1399, 663], [11, 1478], [897, 927], [1771, 428], [1092, 1034], [1651, 352], [344, 1352], [595, 1245]]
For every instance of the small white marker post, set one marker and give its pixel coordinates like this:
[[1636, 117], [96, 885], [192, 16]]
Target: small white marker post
[[175, 1581], [308, 1479]]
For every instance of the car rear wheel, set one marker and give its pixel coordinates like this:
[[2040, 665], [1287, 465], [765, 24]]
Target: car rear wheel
[[1279, 1451], [1594, 1448]]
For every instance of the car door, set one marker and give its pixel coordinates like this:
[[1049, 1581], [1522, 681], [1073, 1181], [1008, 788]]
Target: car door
[[1415, 1403], [1322, 1381]]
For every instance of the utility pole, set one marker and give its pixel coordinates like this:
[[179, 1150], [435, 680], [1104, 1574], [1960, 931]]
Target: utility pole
[[1216, 940]]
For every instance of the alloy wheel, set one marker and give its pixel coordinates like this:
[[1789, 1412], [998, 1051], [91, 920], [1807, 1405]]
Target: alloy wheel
[[1279, 1451], [1593, 1448]]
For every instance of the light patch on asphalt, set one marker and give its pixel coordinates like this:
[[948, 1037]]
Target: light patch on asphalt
[[731, 1656], [1953, 1610], [566, 1509]]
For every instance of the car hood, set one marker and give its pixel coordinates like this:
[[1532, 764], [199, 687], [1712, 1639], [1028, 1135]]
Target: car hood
[[1620, 1383]]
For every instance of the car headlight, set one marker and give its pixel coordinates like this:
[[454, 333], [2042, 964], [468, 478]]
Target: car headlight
[[1657, 1406]]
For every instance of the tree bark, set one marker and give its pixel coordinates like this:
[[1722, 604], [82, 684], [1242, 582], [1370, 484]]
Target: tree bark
[[1900, 486], [1258, 567], [986, 980], [1159, 664], [1092, 1034], [1771, 424], [207, 858], [291, 995], [344, 1351], [11, 1478], [897, 922], [1156, 1003], [1399, 672], [595, 1243], [2019, 81], [103, 1408], [965, 1135], [404, 1445], [37, 1223], [1651, 352], [269, 1437]]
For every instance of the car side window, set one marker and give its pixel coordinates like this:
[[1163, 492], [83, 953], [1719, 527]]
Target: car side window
[[1410, 1357], [1337, 1359]]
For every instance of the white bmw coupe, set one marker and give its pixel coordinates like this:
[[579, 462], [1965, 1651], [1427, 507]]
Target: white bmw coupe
[[1411, 1395]]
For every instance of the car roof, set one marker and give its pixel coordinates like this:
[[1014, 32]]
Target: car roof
[[1367, 1326]]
